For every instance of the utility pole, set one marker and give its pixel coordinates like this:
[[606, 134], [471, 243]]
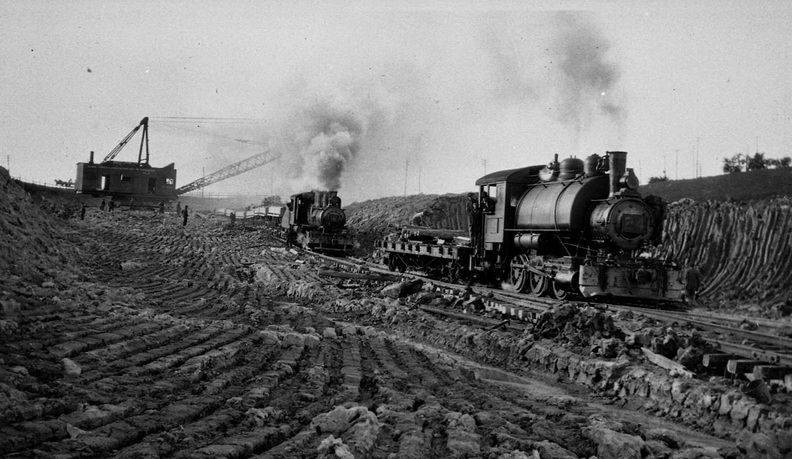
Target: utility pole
[[664, 165], [203, 174], [420, 172], [698, 162], [8, 164], [676, 164], [406, 164]]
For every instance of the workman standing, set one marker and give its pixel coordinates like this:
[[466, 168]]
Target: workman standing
[[102, 205], [162, 207], [111, 206], [692, 284], [184, 216], [474, 220], [232, 216], [82, 212]]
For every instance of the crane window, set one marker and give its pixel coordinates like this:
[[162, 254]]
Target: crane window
[[125, 178]]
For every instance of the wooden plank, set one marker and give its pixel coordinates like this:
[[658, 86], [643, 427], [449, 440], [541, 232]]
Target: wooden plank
[[674, 368]]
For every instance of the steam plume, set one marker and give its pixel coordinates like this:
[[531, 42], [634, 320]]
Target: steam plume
[[587, 76], [332, 140]]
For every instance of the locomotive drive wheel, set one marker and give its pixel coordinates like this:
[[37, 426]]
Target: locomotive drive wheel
[[540, 285], [560, 291], [518, 276]]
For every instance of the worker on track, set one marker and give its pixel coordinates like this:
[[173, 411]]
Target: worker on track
[[692, 285], [184, 216], [82, 212], [102, 205]]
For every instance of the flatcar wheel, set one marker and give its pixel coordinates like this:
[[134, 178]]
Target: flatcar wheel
[[540, 285], [559, 291]]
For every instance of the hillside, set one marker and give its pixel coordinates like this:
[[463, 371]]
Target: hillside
[[33, 245], [742, 186]]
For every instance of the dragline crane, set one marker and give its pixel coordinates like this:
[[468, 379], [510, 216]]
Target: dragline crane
[[138, 182]]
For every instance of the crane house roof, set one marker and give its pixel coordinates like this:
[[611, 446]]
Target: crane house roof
[[520, 175]]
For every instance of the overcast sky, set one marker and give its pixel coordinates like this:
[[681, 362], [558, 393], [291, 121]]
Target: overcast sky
[[347, 95]]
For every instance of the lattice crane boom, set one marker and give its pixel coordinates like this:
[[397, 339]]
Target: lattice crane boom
[[143, 142], [232, 170]]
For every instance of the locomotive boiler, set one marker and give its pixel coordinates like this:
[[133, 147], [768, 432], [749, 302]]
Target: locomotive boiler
[[316, 221], [568, 227]]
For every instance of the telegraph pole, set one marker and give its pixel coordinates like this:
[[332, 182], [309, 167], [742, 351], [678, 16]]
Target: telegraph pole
[[676, 164], [406, 164], [203, 174], [420, 171]]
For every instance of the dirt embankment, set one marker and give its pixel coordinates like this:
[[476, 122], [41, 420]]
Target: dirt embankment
[[33, 245], [744, 251]]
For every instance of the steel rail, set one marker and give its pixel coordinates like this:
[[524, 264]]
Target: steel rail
[[779, 351]]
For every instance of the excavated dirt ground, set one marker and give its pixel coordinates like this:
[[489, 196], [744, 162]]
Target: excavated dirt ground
[[182, 342]]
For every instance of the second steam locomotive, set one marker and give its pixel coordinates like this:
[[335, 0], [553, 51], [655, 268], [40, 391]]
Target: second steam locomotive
[[315, 221], [568, 227]]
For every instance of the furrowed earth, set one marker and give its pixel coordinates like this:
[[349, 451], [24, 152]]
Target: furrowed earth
[[127, 335]]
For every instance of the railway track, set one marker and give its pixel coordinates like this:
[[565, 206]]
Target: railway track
[[740, 352]]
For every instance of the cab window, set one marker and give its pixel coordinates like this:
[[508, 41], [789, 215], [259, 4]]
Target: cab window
[[489, 197]]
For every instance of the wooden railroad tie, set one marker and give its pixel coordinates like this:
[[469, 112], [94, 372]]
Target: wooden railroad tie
[[716, 362], [741, 366], [771, 372]]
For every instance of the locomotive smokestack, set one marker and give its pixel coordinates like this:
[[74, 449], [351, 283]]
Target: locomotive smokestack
[[618, 166], [90, 161]]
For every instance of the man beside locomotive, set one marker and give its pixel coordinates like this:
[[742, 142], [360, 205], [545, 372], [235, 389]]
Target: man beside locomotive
[[474, 220]]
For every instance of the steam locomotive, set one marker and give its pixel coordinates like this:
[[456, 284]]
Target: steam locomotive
[[568, 227], [315, 221]]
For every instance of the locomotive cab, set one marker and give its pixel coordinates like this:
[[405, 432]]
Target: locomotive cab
[[498, 196]]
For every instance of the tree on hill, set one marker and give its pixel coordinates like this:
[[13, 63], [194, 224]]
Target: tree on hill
[[658, 179], [734, 164], [756, 162], [740, 162]]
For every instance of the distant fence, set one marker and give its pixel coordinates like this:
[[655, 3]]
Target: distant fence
[[44, 183]]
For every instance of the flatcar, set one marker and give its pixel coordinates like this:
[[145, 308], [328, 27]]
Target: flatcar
[[569, 227]]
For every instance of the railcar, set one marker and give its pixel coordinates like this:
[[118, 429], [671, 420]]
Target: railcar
[[569, 227]]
